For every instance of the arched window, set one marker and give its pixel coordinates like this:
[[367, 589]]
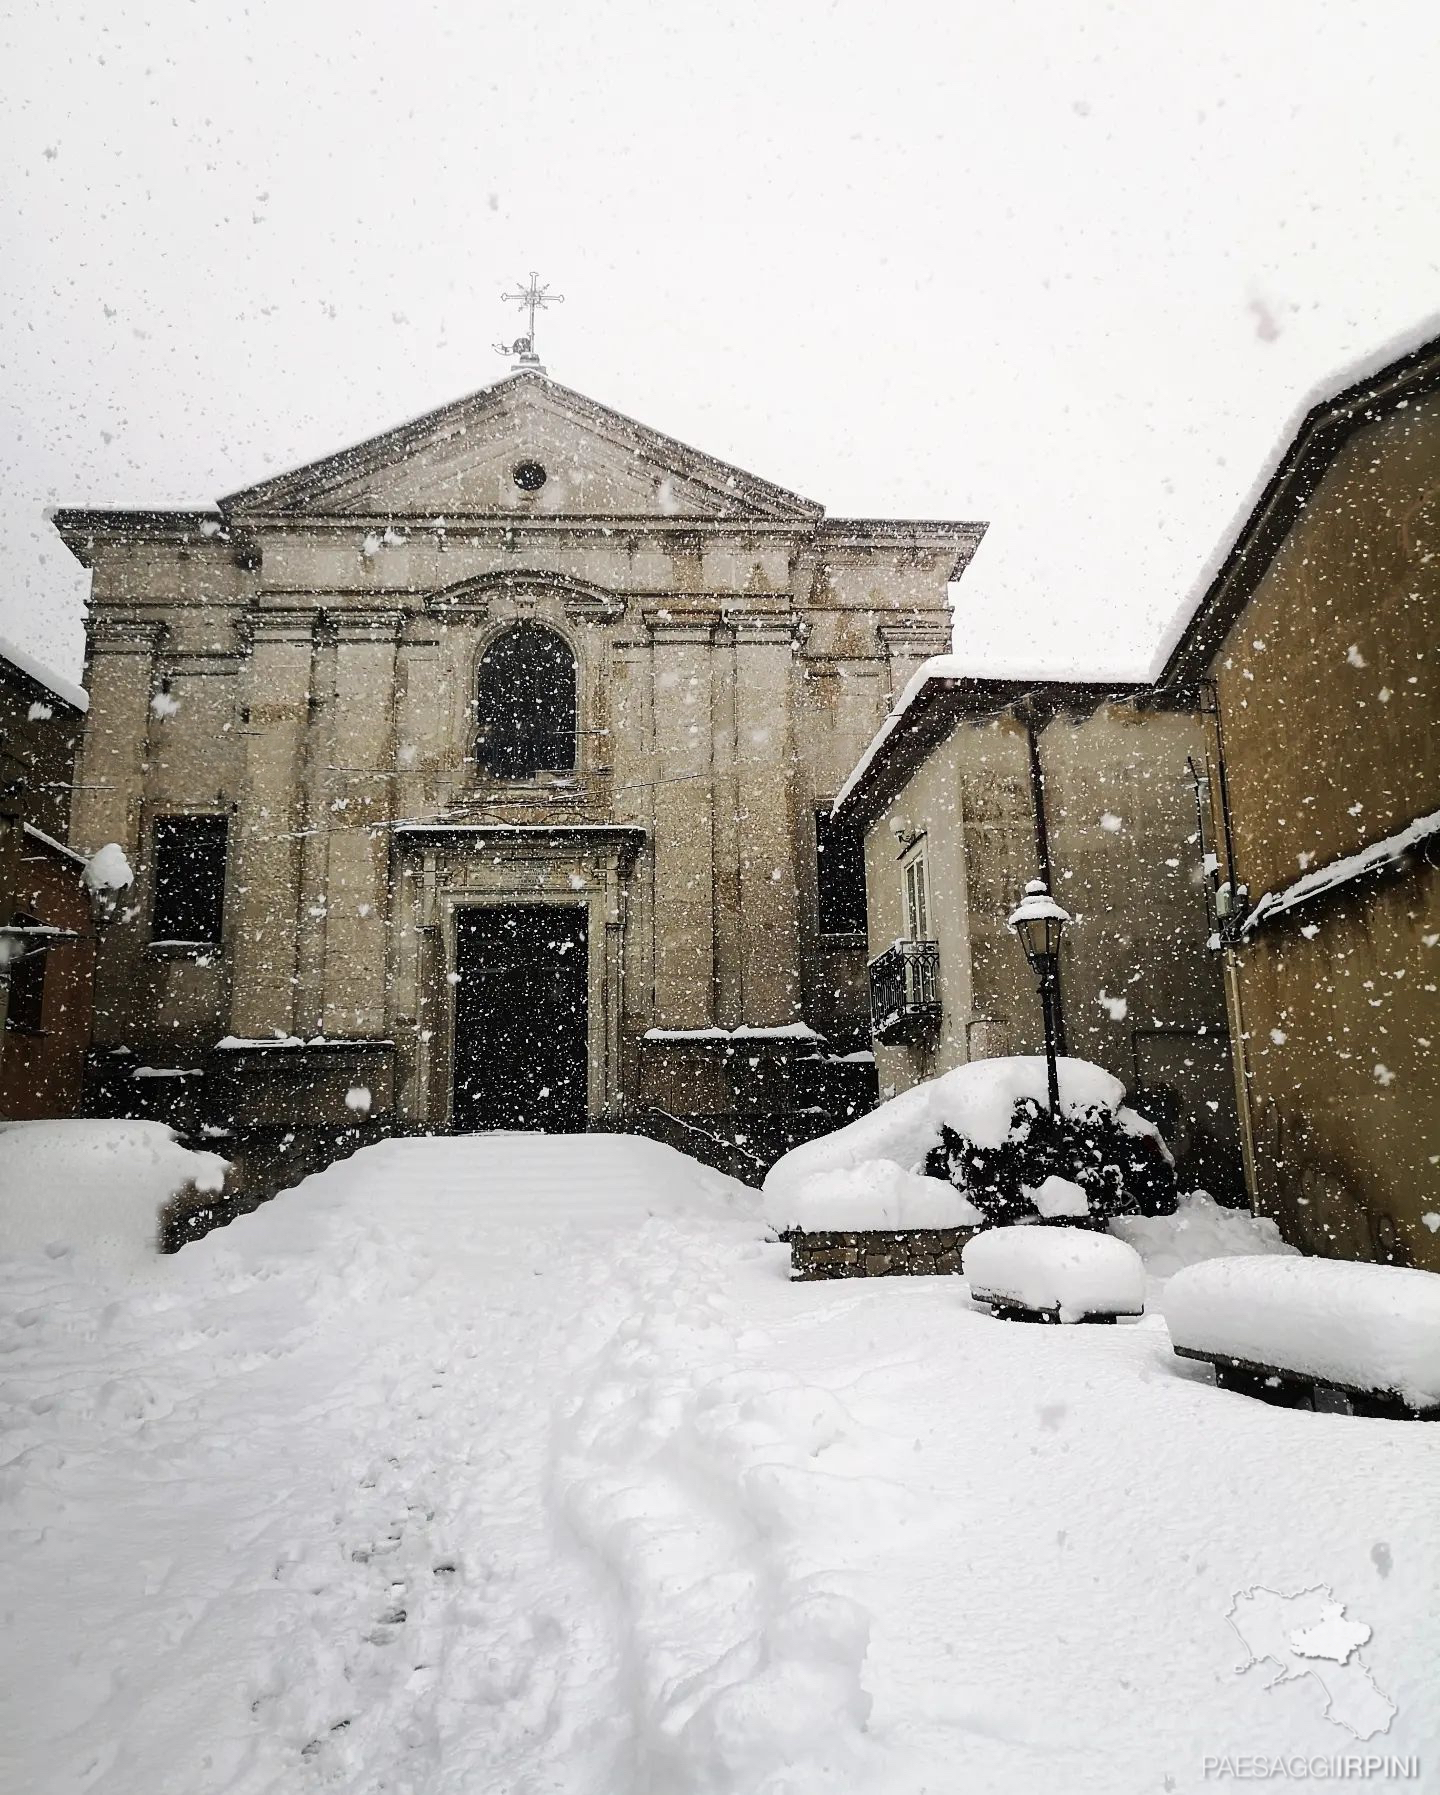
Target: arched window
[[525, 705]]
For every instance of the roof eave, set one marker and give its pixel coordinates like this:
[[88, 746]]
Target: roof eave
[[1322, 433], [942, 704]]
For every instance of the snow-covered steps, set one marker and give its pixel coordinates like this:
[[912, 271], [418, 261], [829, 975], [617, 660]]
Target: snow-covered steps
[[1038, 1273], [1313, 1333]]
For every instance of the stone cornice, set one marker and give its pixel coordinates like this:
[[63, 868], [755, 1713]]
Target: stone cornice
[[586, 526], [583, 601], [110, 634], [378, 627], [671, 624], [534, 840], [293, 623]]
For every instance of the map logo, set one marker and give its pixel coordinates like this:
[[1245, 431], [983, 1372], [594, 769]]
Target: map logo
[[1308, 1634]]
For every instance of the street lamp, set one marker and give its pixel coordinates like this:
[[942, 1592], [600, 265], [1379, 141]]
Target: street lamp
[[1038, 920]]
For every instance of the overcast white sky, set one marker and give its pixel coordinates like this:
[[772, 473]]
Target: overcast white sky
[[1067, 267]]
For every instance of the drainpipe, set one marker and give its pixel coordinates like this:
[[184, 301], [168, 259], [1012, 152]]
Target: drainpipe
[[1230, 948]]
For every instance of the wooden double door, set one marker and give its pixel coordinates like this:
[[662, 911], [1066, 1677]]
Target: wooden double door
[[521, 1017]]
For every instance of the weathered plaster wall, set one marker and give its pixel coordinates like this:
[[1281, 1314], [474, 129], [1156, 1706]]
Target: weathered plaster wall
[[1142, 994], [1329, 697]]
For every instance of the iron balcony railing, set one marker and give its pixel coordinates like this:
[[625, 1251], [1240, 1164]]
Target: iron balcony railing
[[905, 991]]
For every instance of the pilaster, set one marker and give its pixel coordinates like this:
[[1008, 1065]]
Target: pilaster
[[682, 649], [267, 850], [769, 905]]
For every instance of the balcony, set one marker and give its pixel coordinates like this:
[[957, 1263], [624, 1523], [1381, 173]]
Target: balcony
[[904, 991]]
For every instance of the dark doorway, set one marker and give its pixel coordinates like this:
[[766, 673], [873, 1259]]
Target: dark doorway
[[521, 1017]]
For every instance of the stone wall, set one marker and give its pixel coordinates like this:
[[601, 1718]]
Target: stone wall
[[876, 1252]]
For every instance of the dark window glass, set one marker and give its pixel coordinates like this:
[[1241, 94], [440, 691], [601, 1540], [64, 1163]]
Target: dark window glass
[[189, 879], [840, 875], [27, 983], [525, 704]]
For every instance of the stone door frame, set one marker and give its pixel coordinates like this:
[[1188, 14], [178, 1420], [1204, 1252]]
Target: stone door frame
[[445, 869]]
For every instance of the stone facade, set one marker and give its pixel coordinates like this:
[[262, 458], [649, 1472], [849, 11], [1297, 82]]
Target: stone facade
[[47, 945], [1313, 654], [987, 788], [303, 662]]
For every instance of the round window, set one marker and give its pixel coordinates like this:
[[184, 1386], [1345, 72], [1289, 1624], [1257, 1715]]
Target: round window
[[529, 476]]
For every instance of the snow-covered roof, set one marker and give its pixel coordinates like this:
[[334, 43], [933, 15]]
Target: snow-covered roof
[[1325, 395], [939, 666], [66, 690], [954, 670]]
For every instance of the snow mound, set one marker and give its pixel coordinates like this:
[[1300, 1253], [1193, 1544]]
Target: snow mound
[[847, 1180], [1200, 1229], [95, 1187], [1058, 1197], [1368, 1327], [1065, 1269]]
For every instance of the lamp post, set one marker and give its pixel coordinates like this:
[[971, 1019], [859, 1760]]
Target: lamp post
[[1038, 920]]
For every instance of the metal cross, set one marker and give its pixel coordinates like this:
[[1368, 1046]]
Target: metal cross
[[529, 299]]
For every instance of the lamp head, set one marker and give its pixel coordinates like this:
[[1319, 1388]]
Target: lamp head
[[1038, 921]]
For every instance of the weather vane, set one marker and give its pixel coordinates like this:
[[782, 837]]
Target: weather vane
[[529, 299]]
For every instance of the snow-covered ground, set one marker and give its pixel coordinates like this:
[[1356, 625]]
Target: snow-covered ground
[[518, 1464]]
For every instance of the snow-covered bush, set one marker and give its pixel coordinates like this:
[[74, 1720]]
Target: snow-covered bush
[[1119, 1168], [883, 1171]]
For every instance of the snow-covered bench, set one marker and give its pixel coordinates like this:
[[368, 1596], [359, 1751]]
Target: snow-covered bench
[[1313, 1333], [1039, 1273]]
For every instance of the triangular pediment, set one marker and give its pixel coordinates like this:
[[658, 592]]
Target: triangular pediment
[[461, 462]]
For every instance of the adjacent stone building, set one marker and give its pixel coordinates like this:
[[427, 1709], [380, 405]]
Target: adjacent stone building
[[977, 786], [1315, 654], [471, 777], [46, 935]]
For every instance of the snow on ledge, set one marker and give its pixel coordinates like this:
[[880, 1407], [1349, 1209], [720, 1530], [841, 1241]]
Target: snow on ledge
[[1342, 872], [784, 1031], [41, 674], [55, 847], [243, 1042]]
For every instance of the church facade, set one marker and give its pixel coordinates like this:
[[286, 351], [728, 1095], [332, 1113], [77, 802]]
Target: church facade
[[476, 776]]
